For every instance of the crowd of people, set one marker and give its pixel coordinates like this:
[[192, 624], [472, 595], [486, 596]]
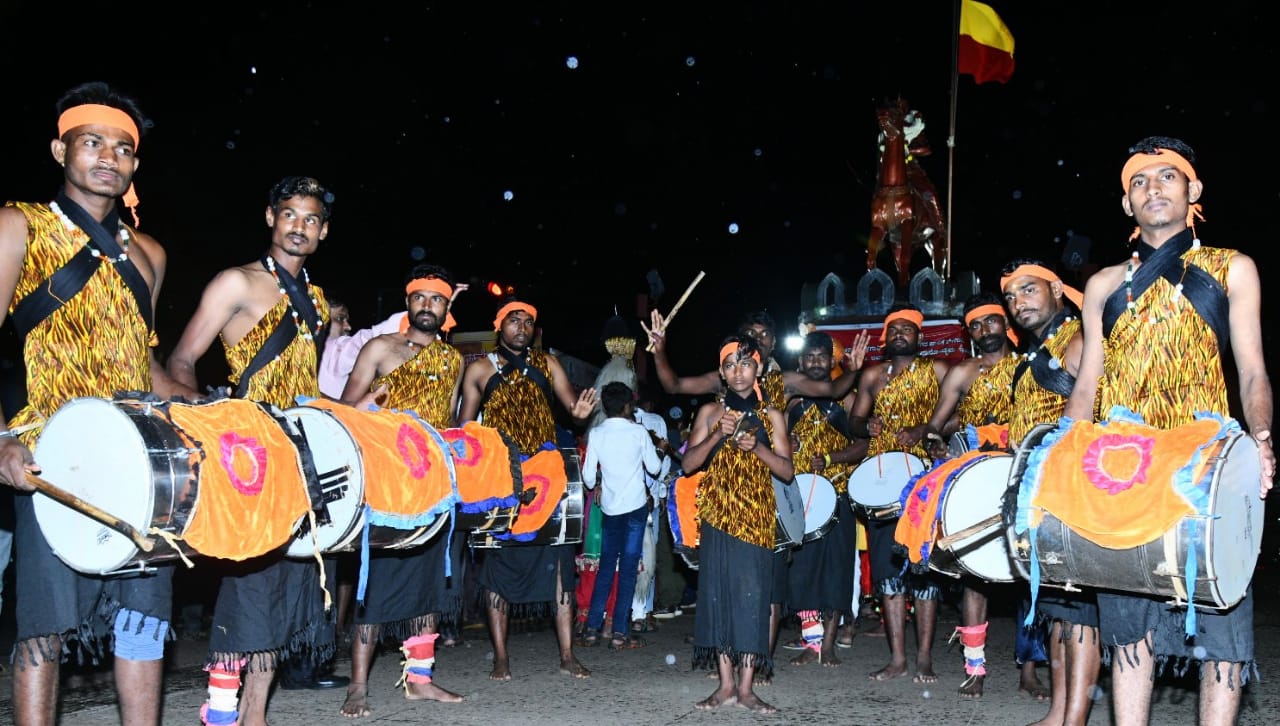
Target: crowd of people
[[83, 285]]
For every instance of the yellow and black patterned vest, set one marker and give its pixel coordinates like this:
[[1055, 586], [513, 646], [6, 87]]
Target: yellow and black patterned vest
[[519, 408], [1161, 359], [817, 435], [97, 344], [424, 383], [1032, 403], [907, 400], [736, 494], [291, 374], [989, 398]]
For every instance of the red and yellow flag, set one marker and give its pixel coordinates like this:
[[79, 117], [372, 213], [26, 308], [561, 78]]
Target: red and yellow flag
[[986, 45]]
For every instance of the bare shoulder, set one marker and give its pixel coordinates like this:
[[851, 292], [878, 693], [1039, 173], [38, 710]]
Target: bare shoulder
[[1106, 279], [13, 231]]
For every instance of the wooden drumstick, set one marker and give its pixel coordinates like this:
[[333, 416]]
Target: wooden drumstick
[[946, 542], [676, 308], [143, 542]]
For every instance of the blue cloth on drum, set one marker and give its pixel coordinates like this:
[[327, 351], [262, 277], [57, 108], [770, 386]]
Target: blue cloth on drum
[[525, 575], [732, 618], [1224, 636], [407, 585], [272, 607], [821, 573], [52, 599]]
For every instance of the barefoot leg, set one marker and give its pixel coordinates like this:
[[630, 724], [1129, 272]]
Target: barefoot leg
[[926, 619], [499, 619], [724, 694], [894, 608]]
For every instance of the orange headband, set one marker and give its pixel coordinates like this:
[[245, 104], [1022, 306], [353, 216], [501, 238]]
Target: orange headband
[[913, 316], [511, 307], [1046, 274], [992, 309], [88, 114], [1140, 161]]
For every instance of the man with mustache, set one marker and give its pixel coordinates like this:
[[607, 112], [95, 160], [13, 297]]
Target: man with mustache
[[93, 338], [1156, 331], [408, 593], [894, 402], [976, 392], [513, 390], [1037, 297]]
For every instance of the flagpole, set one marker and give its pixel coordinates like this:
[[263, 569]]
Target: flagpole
[[951, 136]]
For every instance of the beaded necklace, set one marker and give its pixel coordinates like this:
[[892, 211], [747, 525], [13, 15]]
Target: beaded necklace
[[1129, 303], [284, 293], [1054, 363], [71, 227], [982, 369]]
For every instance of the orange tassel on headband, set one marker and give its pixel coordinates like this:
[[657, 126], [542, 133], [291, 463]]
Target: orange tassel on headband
[[91, 114], [983, 311], [1142, 160], [911, 316]]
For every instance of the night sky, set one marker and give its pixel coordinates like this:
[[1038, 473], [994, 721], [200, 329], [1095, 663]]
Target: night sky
[[631, 139]]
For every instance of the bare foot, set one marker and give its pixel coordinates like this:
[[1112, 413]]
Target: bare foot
[[762, 679], [924, 674], [1034, 688], [972, 687], [501, 670], [572, 667], [889, 672], [829, 659], [430, 692], [808, 655], [721, 697], [752, 702], [844, 638], [357, 703]]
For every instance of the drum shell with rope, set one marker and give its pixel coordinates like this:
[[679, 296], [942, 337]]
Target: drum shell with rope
[[976, 494], [1227, 550], [876, 485], [565, 524], [130, 458], [820, 497], [340, 465]]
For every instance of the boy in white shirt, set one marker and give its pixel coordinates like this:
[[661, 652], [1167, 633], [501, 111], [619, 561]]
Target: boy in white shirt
[[619, 452]]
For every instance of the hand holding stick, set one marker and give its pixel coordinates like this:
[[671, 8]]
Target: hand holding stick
[[676, 308]]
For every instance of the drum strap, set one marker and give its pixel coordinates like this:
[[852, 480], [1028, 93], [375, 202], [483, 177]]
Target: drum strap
[[314, 489], [1056, 380], [70, 279], [1200, 288], [286, 329], [832, 411], [514, 363]]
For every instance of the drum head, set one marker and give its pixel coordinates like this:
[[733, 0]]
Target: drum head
[[338, 464], [93, 449], [819, 501], [878, 481], [977, 494], [1235, 534]]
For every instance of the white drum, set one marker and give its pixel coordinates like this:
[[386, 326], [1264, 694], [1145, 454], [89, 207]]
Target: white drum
[[819, 504], [975, 495], [876, 485]]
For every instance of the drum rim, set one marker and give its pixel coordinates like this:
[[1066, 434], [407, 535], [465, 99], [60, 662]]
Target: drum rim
[[343, 543], [1000, 538], [830, 523], [924, 466]]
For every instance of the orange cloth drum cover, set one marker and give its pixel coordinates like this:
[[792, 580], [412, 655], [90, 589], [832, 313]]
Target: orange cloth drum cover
[[544, 474], [252, 492], [992, 436], [487, 467], [405, 470], [683, 509], [1119, 483], [921, 499]]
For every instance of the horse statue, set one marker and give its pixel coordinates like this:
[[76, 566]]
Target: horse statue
[[904, 208]]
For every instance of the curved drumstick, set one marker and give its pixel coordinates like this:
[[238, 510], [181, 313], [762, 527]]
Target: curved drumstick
[[143, 542]]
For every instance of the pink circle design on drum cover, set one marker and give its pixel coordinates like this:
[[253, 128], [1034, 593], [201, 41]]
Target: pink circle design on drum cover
[[465, 447], [1112, 451], [916, 500], [413, 450], [232, 445], [541, 485]]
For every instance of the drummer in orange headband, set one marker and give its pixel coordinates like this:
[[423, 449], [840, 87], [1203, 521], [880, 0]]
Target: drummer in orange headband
[[1158, 327], [409, 594], [894, 402], [92, 337], [514, 389]]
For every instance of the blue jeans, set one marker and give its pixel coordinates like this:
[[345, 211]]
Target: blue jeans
[[621, 543]]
